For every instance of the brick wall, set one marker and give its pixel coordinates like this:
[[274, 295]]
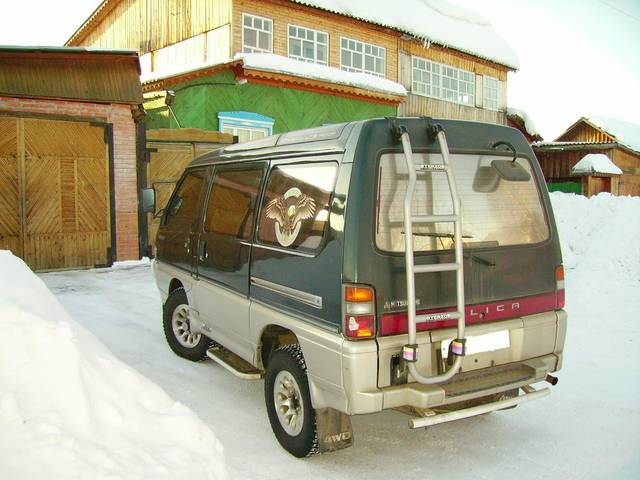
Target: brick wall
[[124, 146]]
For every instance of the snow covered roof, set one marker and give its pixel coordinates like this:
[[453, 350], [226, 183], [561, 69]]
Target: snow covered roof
[[526, 120], [269, 62], [625, 133], [595, 163], [278, 64], [437, 21]]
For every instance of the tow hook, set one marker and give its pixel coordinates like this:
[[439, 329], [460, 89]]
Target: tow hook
[[551, 379]]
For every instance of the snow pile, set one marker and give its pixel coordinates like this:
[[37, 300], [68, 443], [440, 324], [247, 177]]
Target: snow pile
[[69, 409], [436, 21], [526, 120], [270, 62], [626, 133], [595, 163], [599, 237]]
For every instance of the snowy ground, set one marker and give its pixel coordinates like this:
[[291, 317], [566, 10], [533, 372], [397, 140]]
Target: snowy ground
[[589, 427]]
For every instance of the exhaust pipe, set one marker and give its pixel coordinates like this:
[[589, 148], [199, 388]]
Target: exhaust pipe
[[551, 379]]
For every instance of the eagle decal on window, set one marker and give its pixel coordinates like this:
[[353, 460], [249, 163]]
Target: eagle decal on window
[[288, 211]]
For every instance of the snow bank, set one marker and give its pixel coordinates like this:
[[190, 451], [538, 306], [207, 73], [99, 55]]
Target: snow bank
[[595, 163], [69, 409], [436, 21], [626, 133], [599, 236]]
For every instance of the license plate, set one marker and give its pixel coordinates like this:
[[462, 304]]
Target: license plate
[[481, 343]]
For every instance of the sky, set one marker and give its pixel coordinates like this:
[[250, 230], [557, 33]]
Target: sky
[[577, 57]]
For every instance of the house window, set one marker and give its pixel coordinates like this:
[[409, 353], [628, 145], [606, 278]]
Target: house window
[[442, 81], [362, 57], [257, 34], [490, 93], [245, 125], [426, 78], [308, 45]]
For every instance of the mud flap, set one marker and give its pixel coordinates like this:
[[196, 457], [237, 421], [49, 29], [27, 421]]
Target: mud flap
[[334, 430]]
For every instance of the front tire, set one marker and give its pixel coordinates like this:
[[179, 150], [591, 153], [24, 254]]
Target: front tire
[[177, 328], [286, 394]]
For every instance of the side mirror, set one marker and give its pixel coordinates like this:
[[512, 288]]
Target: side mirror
[[149, 200]]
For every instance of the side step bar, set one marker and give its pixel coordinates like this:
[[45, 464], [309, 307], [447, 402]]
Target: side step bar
[[232, 362], [530, 394]]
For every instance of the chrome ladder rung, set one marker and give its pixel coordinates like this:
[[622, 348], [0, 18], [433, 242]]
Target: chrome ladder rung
[[434, 218], [436, 267]]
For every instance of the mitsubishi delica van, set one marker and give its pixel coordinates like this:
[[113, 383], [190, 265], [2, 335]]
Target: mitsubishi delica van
[[402, 263]]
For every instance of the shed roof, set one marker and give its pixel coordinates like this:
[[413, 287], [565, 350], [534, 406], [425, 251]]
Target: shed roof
[[625, 134], [71, 73]]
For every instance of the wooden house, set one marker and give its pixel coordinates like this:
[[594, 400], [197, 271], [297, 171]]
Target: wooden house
[[618, 140], [68, 183], [208, 52]]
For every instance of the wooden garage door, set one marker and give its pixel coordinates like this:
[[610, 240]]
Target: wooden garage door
[[54, 193]]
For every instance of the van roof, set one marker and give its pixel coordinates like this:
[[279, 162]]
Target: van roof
[[325, 139], [334, 139]]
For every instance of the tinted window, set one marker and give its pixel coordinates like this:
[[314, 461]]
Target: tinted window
[[295, 207], [232, 202], [183, 209], [495, 212]]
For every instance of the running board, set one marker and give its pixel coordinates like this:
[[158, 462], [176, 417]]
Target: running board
[[232, 362], [530, 394]]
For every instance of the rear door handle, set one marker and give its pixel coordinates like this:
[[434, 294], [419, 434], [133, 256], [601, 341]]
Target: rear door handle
[[202, 251]]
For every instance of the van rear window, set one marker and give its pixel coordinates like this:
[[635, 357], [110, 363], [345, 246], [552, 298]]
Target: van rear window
[[495, 212]]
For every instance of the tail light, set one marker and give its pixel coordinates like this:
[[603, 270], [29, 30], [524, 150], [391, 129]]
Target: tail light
[[560, 287], [359, 312]]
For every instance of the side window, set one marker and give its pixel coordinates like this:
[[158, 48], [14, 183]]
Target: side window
[[183, 209], [232, 202], [295, 208]]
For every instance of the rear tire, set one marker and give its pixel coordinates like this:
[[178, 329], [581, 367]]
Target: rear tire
[[286, 394], [177, 328]]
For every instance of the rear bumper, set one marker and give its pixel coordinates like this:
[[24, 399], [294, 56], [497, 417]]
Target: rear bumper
[[536, 346]]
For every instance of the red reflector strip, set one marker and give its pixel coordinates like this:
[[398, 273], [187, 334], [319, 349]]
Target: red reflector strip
[[396, 323], [560, 299]]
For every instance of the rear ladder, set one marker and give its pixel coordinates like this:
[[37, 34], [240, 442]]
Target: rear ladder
[[410, 351]]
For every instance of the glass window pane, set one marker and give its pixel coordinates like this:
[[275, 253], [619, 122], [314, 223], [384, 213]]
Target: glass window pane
[[295, 208], [345, 58], [183, 210], [308, 50], [294, 47], [250, 37], [247, 20], [265, 41], [322, 54], [369, 64], [292, 31], [232, 203], [509, 214], [357, 61]]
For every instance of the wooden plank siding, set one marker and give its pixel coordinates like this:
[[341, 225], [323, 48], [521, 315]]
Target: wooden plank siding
[[284, 13], [75, 76], [583, 132], [147, 25], [629, 163]]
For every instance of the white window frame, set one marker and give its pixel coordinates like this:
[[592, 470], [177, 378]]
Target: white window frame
[[315, 41], [485, 89], [364, 54], [448, 82], [251, 49]]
